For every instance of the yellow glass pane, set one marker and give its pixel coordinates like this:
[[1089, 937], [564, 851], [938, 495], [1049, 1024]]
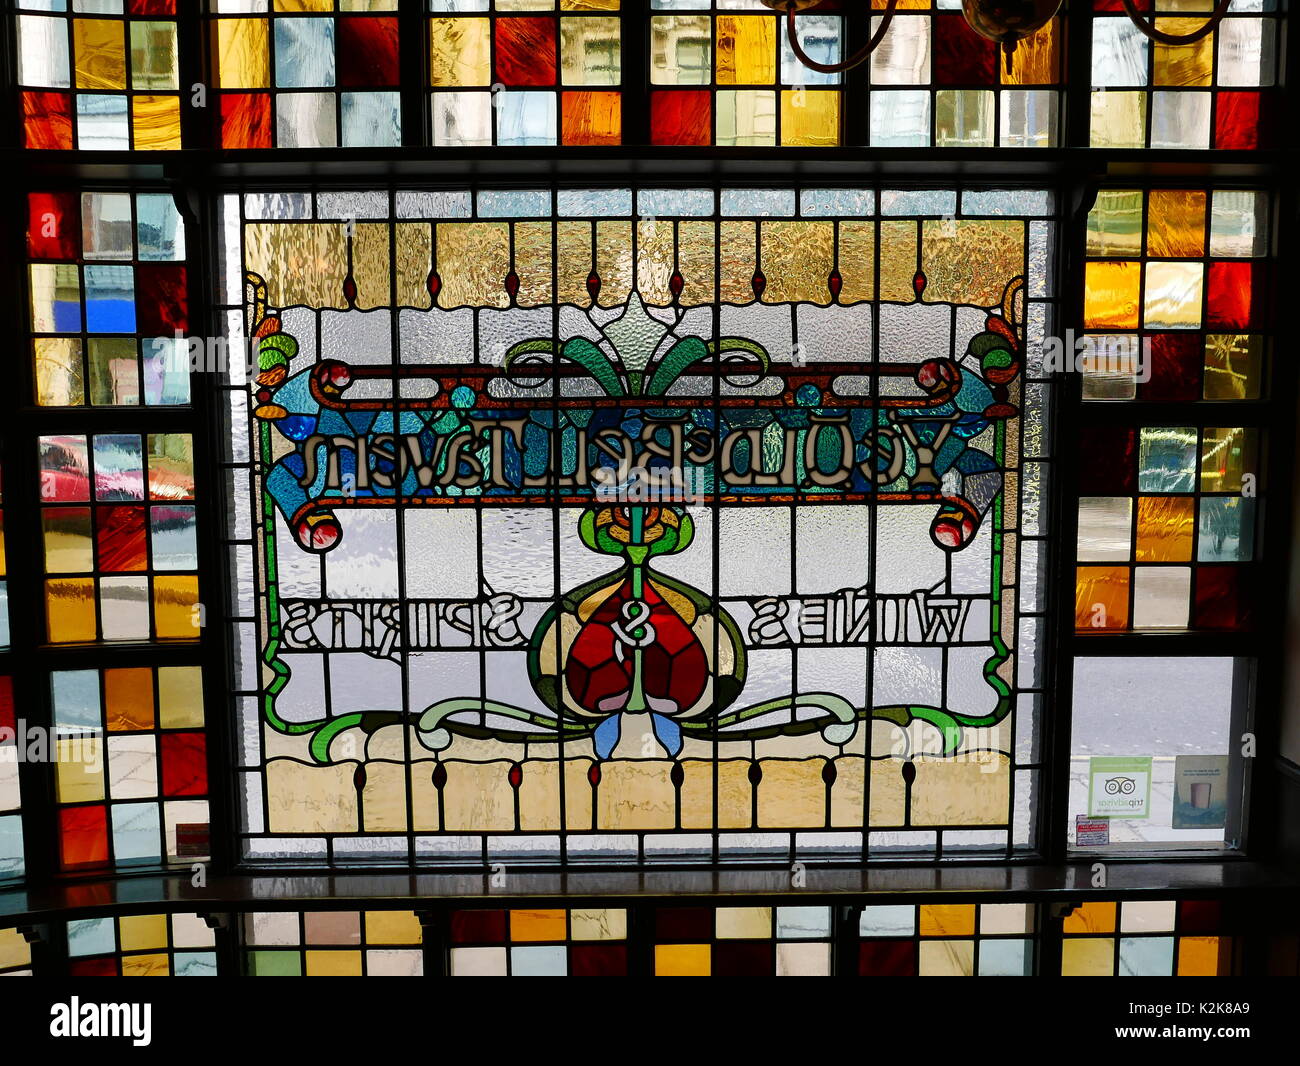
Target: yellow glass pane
[[589, 51], [152, 965], [1164, 529], [100, 53], [1118, 119], [1232, 366], [946, 958], [242, 59], [1111, 291], [1088, 958], [156, 123], [128, 699], [70, 609], [743, 923], [1227, 456], [608, 924], [59, 378], [683, 960], [955, 919], [589, 5], [1091, 918], [142, 932], [80, 776], [460, 51], [857, 261], [1101, 597], [306, 5], [174, 600], [180, 697], [1115, 223], [898, 261], [746, 50], [392, 927], [1173, 295], [1204, 956], [473, 260], [798, 257], [1034, 62], [68, 545], [810, 117], [333, 963], [14, 949], [537, 925], [1182, 64], [1176, 223]]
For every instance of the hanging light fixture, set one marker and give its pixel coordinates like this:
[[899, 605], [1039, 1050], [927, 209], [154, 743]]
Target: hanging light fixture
[[1004, 22]]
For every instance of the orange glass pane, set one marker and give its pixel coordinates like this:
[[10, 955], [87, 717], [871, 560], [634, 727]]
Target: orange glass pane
[[1176, 223], [537, 925], [682, 960], [592, 118], [947, 920], [1164, 529], [1111, 295], [1091, 918], [128, 699], [1034, 62], [70, 609], [1101, 597], [1204, 956]]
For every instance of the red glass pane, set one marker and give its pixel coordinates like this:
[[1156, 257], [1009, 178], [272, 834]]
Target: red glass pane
[[887, 958], [7, 720], [1175, 370], [681, 116], [478, 927], [246, 120], [1111, 5], [54, 220], [961, 56], [1200, 916], [1222, 598], [160, 300], [744, 959], [598, 960], [47, 120], [1107, 461], [367, 51], [525, 51], [120, 538], [184, 764], [1239, 121], [83, 836], [93, 967], [151, 7], [676, 924], [1235, 295]]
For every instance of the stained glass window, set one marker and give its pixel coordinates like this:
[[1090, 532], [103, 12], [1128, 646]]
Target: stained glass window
[[936, 82], [725, 74], [131, 772], [1215, 92], [318, 74], [109, 304], [141, 945], [519, 72], [539, 943], [1147, 938], [11, 825], [332, 944], [444, 584], [99, 74]]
